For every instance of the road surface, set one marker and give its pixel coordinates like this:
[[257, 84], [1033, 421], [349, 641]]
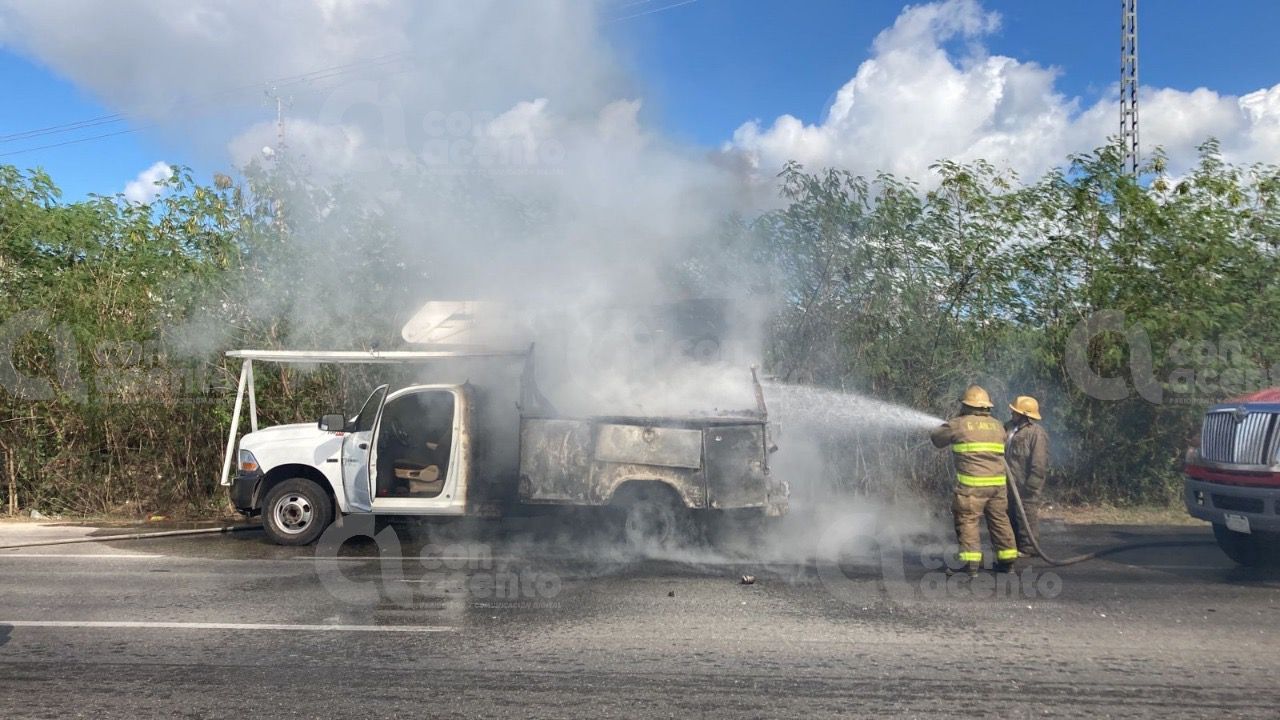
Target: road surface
[[446, 625]]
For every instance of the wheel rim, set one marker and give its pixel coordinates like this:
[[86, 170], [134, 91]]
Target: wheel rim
[[293, 514], [646, 523]]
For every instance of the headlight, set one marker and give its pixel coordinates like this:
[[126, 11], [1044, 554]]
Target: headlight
[[248, 463]]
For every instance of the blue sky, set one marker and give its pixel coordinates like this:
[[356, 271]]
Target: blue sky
[[711, 64], [705, 67]]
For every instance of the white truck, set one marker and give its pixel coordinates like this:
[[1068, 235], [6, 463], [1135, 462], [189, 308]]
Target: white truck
[[440, 450]]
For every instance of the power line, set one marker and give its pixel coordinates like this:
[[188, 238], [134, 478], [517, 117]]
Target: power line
[[664, 8], [73, 142], [91, 122]]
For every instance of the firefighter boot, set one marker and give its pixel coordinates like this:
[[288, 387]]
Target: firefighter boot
[[969, 568]]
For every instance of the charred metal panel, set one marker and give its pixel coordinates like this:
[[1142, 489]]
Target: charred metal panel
[[649, 445], [735, 470], [555, 461], [709, 464]]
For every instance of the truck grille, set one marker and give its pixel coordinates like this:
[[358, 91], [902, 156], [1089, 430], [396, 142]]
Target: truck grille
[[1239, 504], [1248, 442]]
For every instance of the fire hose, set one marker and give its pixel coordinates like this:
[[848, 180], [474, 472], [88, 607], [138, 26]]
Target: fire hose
[[1035, 542], [135, 536]]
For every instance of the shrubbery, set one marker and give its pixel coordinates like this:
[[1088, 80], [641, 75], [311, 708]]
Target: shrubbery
[[877, 287]]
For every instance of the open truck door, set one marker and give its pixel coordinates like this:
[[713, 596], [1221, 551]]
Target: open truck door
[[356, 449], [418, 460], [406, 452]]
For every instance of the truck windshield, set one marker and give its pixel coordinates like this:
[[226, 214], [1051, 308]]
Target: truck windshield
[[363, 421]]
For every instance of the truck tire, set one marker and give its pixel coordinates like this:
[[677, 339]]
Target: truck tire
[[296, 512], [655, 521], [1246, 550]]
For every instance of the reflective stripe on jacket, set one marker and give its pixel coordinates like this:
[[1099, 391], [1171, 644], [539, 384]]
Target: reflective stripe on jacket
[[977, 445]]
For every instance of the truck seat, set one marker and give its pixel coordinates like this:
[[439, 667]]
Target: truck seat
[[422, 480]]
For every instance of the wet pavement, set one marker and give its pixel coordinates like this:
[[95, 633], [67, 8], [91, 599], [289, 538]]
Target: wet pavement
[[452, 620]]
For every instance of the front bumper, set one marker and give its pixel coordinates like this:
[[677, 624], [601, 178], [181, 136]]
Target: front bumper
[[1214, 501], [244, 492]]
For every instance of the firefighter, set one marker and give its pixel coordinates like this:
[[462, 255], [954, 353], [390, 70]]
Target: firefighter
[[977, 445], [1026, 452]]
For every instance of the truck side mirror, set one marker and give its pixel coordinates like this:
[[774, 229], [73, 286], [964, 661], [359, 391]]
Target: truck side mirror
[[332, 423]]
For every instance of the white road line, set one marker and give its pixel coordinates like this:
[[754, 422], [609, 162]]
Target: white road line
[[397, 558], [1178, 567], [308, 558], [225, 626], [82, 556]]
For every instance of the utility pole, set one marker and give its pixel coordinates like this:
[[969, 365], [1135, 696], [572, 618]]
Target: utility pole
[[274, 94], [276, 155], [1129, 85], [279, 121]]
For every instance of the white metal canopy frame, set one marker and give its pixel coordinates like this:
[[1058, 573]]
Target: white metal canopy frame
[[349, 357]]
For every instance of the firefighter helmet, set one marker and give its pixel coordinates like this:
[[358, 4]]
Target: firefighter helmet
[[1026, 405], [976, 397]]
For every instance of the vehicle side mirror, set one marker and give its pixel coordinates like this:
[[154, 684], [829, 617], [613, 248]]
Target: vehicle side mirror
[[334, 422]]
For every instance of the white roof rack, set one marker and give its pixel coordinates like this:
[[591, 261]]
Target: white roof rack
[[366, 356], [388, 357]]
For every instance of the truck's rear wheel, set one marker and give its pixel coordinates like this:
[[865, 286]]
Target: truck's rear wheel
[[1244, 549], [656, 518], [295, 512], [650, 524]]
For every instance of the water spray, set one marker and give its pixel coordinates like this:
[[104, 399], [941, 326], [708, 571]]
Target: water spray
[[841, 409]]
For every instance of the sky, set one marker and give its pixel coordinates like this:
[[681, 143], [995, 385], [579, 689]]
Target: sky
[[867, 85]]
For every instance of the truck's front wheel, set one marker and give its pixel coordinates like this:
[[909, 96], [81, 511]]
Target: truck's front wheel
[[295, 512]]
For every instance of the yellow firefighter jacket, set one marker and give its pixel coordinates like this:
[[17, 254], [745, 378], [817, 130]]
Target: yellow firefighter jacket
[[977, 444]]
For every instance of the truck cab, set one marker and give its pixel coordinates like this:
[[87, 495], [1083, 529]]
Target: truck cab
[[405, 452], [1233, 476]]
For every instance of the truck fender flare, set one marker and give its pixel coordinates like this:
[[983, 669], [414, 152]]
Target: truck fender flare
[[280, 473], [638, 487]]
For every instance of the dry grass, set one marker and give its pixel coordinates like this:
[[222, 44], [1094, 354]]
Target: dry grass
[[1111, 515]]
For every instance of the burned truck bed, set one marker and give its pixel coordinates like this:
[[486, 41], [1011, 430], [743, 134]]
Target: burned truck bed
[[715, 462]]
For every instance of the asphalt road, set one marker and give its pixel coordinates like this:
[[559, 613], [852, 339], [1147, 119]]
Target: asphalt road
[[487, 626]]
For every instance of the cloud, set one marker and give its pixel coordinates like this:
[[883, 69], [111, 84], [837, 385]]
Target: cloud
[[931, 91], [144, 188]]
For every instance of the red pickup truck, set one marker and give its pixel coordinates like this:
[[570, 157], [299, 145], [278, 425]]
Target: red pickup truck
[[1233, 476]]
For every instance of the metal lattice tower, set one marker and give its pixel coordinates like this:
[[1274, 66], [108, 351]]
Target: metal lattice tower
[[1129, 85]]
